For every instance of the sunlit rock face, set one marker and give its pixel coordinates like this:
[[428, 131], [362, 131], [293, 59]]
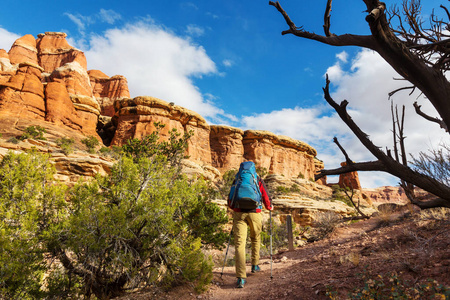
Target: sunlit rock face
[[107, 89], [136, 118], [47, 79], [279, 154], [227, 149]]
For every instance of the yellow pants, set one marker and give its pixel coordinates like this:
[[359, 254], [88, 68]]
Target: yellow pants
[[240, 222]]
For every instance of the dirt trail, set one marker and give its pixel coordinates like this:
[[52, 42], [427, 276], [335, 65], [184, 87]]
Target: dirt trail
[[414, 249]]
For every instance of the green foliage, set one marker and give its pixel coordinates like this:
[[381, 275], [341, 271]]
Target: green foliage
[[225, 183], [34, 132], [283, 190], [90, 142], [30, 205], [392, 286], [66, 144], [13, 140], [173, 149], [143, 224], [140, 220], [262, 172]]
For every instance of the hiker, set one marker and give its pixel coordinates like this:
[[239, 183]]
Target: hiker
[[247, 194]]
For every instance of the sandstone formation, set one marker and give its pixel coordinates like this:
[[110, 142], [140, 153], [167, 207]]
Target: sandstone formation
[[24, 50], [47, 79], [135, 118], [107, 90], [54, 51], [23, 95], [227, 149], [350, 180], [279, 154]]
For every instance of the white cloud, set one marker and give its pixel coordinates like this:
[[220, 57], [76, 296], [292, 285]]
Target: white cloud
[[109, 16], [7, 39], [156, 63], [342, 56], [365, 83], [228, 62], [80, 21], [194, 30]]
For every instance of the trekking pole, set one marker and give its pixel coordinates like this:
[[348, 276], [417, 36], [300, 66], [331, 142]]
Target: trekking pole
[[226, 253], [270, 215]]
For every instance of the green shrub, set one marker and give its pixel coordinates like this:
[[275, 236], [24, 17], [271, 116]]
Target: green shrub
[[66, 144], [34, 132], [90, 142], [13, 140], [144, 224], [31, 205]]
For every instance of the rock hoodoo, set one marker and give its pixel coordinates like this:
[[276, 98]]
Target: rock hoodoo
[[46, 80]]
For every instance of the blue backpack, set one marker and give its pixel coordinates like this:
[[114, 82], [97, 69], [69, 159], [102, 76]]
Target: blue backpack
[[244, 192]]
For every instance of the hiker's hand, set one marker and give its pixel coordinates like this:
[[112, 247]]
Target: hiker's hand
[[270, 208]]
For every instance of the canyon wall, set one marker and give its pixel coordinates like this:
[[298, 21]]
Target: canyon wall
[[45, 79]]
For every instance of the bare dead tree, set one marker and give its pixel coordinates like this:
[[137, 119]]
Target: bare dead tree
[[421, 56], [385, 162]]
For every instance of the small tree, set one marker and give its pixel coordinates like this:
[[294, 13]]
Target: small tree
[[30, 204], [143, 224]]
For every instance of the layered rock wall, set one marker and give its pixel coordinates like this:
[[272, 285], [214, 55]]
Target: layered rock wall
[[277, 154], [47, 79], [136, 118]]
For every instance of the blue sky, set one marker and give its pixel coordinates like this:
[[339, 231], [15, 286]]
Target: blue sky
[[228, 61]]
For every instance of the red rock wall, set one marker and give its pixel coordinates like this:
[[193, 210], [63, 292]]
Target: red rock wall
[[32, 64], [350, 179], [135, 118], [227, 149]]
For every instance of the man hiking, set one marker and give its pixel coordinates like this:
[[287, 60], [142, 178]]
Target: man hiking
[[247, 195]]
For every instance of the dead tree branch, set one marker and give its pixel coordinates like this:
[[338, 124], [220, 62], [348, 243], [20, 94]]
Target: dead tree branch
[[327, 20], [385, 163], [427, 117], [365, 41]]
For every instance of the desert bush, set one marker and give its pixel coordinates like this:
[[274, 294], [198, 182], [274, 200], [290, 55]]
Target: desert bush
[[225, 183], [66, 144], [35, 132], [13, 140], [30, 206], [324, 223], [90, 142], [143, 224]]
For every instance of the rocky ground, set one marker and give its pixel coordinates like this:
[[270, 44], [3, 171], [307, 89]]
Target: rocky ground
[[413, 247]]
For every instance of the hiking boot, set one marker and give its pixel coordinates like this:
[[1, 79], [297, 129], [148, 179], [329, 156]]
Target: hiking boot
[[255, 268], [240, 283]]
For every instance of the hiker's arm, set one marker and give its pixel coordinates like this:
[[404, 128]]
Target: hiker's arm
[[265, 196]]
